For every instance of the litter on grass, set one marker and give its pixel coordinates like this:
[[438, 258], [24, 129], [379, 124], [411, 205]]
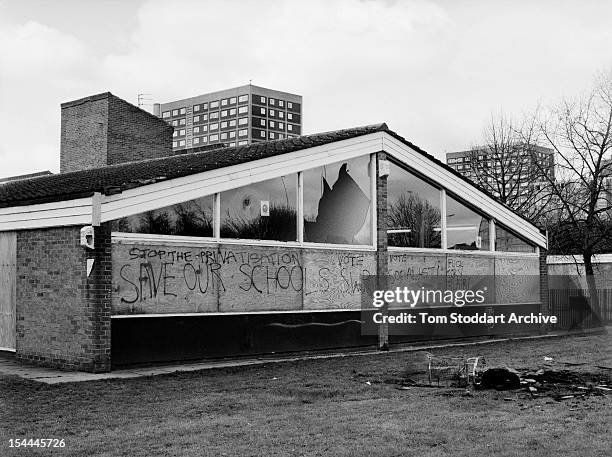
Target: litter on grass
[[428, 370]]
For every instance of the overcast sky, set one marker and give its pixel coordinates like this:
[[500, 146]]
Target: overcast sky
[[432, 70]]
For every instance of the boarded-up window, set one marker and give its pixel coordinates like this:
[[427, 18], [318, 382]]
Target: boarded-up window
[[8, 290]]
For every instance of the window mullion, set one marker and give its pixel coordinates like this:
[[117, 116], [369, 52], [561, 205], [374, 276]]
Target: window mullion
[[443, 235], [217, 216], [300, 207]]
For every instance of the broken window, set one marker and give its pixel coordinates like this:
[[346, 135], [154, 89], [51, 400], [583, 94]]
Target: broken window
[[337, 203]]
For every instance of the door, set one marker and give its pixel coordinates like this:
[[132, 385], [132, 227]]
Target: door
[[8, 290]]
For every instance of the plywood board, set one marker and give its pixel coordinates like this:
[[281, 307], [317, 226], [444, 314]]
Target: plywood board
[[517, 279], [469, 265], [406, 264], [260, 278], [8, 284], [517, 265], [416, 271], [162, 279], [151, 279], [471, 272], [333, 278]]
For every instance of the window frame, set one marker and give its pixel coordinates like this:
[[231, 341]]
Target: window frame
[[373, 226], [492, 251], [300, 243]]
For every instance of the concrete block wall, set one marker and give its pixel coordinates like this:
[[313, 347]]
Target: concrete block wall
[[104, 130], [63, 316]]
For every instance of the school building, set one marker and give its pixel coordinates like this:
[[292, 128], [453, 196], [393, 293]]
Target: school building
[[134, 254]]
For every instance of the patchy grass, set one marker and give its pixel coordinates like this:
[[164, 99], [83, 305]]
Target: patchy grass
[[317, 407]]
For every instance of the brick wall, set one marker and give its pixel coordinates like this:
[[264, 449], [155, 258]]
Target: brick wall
[[544, 306], [84, 125], [382, 259], [63, 316], [103, 130], [134, 134]]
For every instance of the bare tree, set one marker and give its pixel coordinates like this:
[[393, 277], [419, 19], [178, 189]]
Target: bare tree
[[580, 133], [506, 166], [416, 221]]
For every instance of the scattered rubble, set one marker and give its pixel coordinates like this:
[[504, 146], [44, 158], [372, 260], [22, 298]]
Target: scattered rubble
[[501, 378], [472, 373]]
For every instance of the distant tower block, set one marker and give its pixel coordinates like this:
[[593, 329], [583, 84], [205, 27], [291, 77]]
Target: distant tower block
[[232, 117]]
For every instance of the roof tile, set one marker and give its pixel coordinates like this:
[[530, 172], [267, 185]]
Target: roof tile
[[114, 178]]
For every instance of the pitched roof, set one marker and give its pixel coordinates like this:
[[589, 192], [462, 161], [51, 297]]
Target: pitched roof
[[115, 178], [26, 176]]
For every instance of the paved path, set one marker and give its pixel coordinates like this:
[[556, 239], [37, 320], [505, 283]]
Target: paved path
[[11, 367]]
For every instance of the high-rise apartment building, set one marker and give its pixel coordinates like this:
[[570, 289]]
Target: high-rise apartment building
[[605, 199], [232, 117], [518, 169]]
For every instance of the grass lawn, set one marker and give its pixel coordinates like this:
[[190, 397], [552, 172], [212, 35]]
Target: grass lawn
[[339, 407]]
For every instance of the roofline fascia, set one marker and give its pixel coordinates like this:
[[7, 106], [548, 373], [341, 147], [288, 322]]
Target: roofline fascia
[[448, 179], [79, 211], [185, 188], [176, 190]]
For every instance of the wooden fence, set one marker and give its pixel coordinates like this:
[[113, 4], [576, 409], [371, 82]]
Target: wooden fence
[[573, 309]]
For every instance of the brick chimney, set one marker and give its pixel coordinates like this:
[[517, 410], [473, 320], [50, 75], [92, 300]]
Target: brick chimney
[[104, 130]]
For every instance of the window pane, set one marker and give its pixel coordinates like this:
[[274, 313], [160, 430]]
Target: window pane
[[337, 203], [261, 211], [413, 211], [192, 218], [465, 229], [508, 242]]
